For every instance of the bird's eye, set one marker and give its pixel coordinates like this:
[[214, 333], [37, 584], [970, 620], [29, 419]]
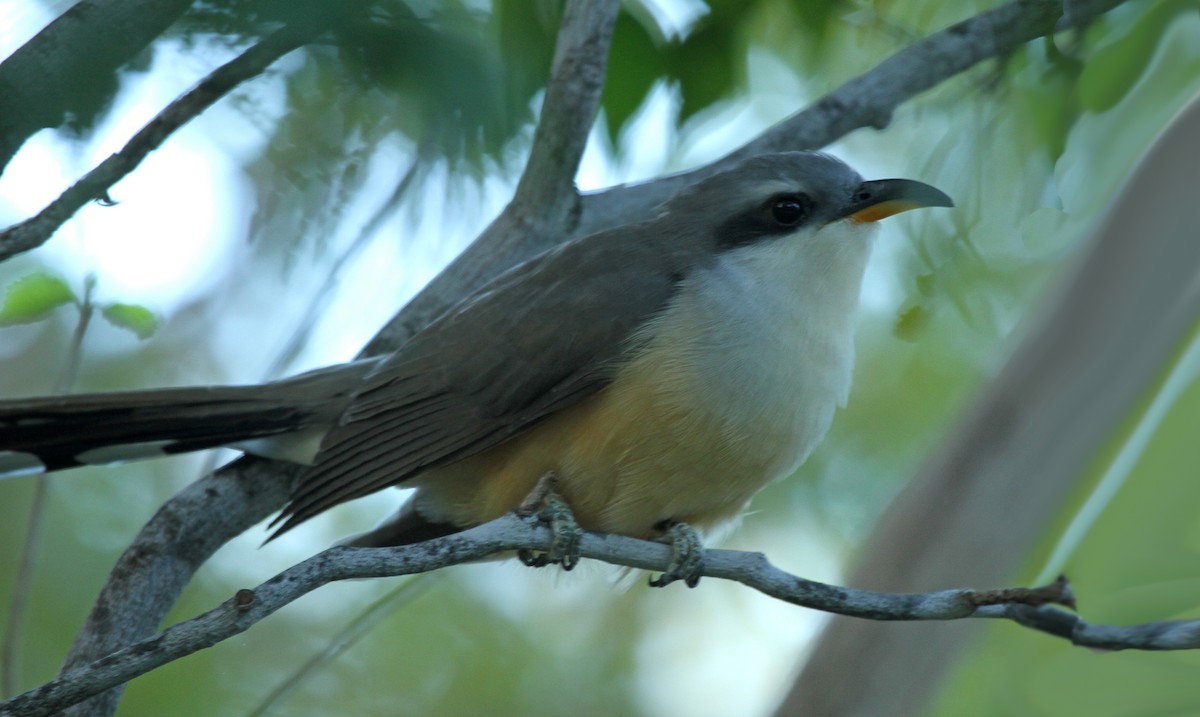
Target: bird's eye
[[789, 209]]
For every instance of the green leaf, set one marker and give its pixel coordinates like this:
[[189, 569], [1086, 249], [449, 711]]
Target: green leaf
[[132, 317], [32, 297]]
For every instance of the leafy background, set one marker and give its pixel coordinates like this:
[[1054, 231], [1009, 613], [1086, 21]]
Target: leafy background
[[336, 185]]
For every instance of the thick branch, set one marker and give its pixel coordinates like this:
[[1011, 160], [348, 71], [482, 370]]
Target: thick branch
[[1029, 607], [59, 69], [33, 232], [182, 535]]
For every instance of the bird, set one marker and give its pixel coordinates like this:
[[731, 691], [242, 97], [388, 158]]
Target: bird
[[663, 371]]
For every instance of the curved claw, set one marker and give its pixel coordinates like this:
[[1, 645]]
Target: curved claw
[[567, 534], [547, 506], [687, 556], [531, 559]]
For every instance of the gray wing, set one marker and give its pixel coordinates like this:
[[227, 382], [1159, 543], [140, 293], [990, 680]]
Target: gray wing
[[537, 339]]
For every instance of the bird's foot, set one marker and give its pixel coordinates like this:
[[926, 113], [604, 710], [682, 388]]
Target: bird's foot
[[687, 555], [545, 505]]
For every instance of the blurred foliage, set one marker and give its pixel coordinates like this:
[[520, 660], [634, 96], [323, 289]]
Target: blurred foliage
[[456, 82], [1030, 148]]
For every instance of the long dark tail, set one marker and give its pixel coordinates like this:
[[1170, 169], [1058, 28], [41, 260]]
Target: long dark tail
[[52, 433]]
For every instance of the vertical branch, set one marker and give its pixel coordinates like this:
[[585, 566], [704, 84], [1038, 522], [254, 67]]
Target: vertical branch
[[23, 586], [545, 208], [14, 627], [568, 112], [70, 369]]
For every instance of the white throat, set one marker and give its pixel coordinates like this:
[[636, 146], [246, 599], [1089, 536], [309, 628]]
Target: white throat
[[762, 341]]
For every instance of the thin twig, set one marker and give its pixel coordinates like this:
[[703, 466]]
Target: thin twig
[[23, 585], [317, 302], [358, 628], [33, 232], [70, 369]]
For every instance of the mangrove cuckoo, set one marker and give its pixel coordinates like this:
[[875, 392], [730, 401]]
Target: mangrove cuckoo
[[665, 371]]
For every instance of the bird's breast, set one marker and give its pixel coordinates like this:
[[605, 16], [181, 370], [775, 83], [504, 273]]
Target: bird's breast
[[738, 381]]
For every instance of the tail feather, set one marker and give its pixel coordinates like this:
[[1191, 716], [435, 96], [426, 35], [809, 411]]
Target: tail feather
[[52, 433], [64, 432]]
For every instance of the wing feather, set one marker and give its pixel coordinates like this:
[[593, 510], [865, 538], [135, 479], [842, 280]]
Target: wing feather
[[537, 339]]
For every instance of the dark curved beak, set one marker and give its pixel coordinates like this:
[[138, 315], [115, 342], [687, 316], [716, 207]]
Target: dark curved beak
[[881, 198]]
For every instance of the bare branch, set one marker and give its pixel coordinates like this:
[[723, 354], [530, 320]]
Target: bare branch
[[153, 570], [870, 99], [1158, 636], [1029, 607], [33, 232], [572, 98]]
